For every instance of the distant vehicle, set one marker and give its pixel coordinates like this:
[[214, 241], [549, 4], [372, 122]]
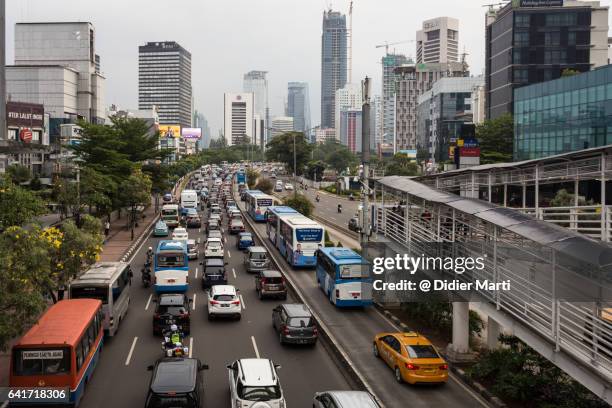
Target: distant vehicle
[[343, 275], [192, 249], [279, 186], [170, 215], [289, 187], [301, 237], [176, 382], [61, 350], [273, 175], [189, 199], [193, 221], [109, 282], [223, 300], [344, 399], [213, 248], [161, 229], [180, 234], [245, 240], [212, 225], [411, 356], [255, 379], [294, 324], [213, 272], [215, 234], [167, 198], [236, 226], [256, 259], [273, 221], [353, 224], [257, 204], [269, 283], [241, 177], [172, 308], [171, 266]]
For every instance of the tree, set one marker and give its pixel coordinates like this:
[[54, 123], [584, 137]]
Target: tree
[[265, 185], [568, 72], [18, 173], [315, 169], [496, 138], [401, 165], [218, 143], [280, 149], [300, 203], [18, 206], [97, 190], [251, 176], [336, 155], [138, 143], [80, 248]]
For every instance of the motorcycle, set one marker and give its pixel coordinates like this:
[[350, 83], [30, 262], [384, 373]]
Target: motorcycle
[[352, 197], [317, 198], [146, 275], [174, 349], [339, 208]]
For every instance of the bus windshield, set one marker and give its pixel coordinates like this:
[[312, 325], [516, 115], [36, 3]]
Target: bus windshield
[[172, 211], [90, 292], [170, 260], [41, 361], [309, 234]]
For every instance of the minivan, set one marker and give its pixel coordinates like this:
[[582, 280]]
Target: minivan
[[176, 382], [270, 283], [256, 259]]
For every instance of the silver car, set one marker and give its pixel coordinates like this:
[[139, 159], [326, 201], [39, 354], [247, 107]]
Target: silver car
[[256, 259], [193, 251]]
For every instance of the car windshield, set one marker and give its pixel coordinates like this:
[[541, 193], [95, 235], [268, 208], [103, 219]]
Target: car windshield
[[263, 393], [422, 352], [299, 321]]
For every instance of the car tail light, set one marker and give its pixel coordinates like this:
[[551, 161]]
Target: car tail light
[[263, 281], [337, 293], [444, 367], [285, 330], [411, 366], [156, 316], [235, 302], [214, 302], [315, 331]]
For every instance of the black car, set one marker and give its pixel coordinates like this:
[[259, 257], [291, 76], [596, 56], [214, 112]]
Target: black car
[[172, 308], [176, 382], [295, 324], [214, 272], [353, 224]]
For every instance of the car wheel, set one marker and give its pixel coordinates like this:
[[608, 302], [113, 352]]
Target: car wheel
[[398, 375], [375, 350], [210, 317], [239, 316], [284, 297]]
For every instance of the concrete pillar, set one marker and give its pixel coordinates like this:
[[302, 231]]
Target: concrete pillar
[[493, 331], [459, 349]]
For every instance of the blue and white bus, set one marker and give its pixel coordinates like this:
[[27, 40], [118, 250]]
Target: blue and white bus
[[344, 276], [257, 204], [273, 221], [171, 267], [299, 239]]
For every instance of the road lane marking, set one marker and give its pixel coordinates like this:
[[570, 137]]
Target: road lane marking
[[196, 273], [242, 302], [194, 301], [191, 345], [149, 301], [234, 272], [199, 230], [255, 346], [229, 254], [129, 356]]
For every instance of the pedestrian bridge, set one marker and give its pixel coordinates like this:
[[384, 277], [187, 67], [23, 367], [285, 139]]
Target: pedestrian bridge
[[561, 298]]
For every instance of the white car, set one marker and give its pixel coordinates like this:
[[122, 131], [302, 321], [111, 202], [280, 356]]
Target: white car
[[255, 379], [223, 300], [180, 234], [288, 186], [213, 248]]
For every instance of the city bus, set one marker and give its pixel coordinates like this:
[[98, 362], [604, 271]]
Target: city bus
[[61, 350], [344, 277], [170, 215], [171, 267], [189, 199], [257, 204], [110, 283], [299, 239], [273, 221]]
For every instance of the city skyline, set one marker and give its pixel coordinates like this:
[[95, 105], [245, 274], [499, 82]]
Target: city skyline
[[120, 60]]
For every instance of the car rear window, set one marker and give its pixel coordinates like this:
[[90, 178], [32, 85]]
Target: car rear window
[[299, 321], [214, 271], [173, 310], [274, 280], [41, 361], [223, 298], [422, 352], [258, 255], [263, 393]]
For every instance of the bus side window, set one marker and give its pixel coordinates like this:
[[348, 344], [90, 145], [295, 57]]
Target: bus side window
[[79, 356]]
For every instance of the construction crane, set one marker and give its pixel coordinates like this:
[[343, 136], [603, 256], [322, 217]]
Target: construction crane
[[387, 44], [490, 6]]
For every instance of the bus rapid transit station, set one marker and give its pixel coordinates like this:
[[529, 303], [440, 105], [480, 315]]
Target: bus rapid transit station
[[561, 280]]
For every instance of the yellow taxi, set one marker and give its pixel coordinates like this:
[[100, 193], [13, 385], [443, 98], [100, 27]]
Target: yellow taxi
[[411, 356]]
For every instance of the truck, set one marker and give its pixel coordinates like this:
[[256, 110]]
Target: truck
[[241, 177], [189, 199]]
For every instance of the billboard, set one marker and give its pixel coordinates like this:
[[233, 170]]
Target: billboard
[[25, 114], [167, 131], [537, 3], [411, 153], [191, 133]]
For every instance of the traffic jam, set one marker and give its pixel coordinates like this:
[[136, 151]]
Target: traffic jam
[[205, 261]]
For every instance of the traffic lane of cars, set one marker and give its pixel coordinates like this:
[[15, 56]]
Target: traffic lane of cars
[[355, 331]]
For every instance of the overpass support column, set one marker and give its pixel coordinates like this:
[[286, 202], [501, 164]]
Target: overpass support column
[[493, 331], [459, 349]]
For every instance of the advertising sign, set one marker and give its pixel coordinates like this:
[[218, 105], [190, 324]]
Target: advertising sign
[[469, 152], [411, 153], [25, 114], [537, 3], [25, 135], [169, 131], [191, 133], [42, 354], [309, 234]]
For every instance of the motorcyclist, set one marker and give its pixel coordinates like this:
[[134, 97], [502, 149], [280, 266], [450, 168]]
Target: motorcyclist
[[149, 256], [351, 197], [317, 198], [339, 208], [174, 337]]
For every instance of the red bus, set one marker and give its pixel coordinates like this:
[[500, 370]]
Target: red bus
[[61, 349]]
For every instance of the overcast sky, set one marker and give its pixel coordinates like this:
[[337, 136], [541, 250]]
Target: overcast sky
[[228, 38]]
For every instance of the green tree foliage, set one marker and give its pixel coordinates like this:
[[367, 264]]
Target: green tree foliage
[[18, 206], [315, 169], [96, 190], [280, 149], [401, 165], [300, 203], [522, 376], [160, 176], [568, 72], [136, 190], [496, 138], [18, 173], [79, 249], [336, 155], [265, 185], [218, 143], [251, 177]]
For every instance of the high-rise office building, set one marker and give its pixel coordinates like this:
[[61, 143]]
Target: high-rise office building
[[534, 41], [164, 80], [389, 63], [239, 118], [256, 83], [280, 125], [333, 63], [349, 97], [200, 121], [298, 105], [438, 41]]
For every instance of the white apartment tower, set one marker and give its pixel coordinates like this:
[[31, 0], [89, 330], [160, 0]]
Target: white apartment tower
[[238, 118], [438, 41], [348, 98]]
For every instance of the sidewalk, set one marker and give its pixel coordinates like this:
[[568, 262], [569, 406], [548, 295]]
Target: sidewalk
[[118, 241]]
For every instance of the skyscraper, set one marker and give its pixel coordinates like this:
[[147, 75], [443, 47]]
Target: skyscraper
[[256, 83], [164, 80], [333, 63], [280, 125], [531, 42], [438, 41], [239, 118], [298, 105], [389, 63], [349, 97], [199, 121]]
